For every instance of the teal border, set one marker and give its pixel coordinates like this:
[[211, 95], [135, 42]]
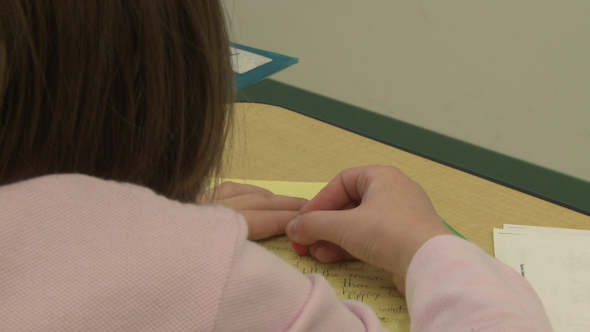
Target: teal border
[[552, 186], [279, 62]]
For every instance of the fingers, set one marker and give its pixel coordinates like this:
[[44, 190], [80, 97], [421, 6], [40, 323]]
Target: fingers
[[230, 189], [267, 214], [338, 193], [323, 251], [347, 189], [263, 201], [303, 249], [263, 224], [319, 225], [327, 252]]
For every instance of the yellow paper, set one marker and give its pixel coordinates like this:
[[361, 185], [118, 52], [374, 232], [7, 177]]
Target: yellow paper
[[351, 280], [294, 189]]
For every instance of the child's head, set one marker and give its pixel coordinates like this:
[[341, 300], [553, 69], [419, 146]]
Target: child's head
[[130, 90]]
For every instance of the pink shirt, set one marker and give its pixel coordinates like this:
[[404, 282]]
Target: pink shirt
[[83, 254]]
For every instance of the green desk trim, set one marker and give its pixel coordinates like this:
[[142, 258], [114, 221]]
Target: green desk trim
[[553, 186]]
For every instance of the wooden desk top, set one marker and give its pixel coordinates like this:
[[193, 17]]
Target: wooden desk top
[[272, 143]]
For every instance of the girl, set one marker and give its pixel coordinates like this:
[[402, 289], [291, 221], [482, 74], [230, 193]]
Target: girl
[[113, 119]]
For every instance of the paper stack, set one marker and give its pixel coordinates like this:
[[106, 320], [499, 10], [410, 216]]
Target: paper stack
[[556, 262]]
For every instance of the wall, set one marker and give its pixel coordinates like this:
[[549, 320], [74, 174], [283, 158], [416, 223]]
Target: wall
[[510, 76]]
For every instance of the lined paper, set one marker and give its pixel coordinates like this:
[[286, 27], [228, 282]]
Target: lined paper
[[351, 280]]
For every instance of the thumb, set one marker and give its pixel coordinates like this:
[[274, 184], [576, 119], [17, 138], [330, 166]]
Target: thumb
[[314, 226]]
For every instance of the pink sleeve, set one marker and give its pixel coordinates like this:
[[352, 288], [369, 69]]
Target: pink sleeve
[[264, 293], [453, 285], [83, 254]]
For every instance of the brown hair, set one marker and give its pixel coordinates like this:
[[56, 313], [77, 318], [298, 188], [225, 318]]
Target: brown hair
[[129, 90]]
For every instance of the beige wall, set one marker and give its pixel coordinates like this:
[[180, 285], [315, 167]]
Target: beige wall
[[511, 76]]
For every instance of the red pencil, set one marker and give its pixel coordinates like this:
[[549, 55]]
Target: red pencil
[[301, 249]]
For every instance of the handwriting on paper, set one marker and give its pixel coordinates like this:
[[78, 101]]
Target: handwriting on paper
[[352, 281]]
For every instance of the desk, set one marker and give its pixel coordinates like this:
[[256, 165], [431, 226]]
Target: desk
[[272, 143]]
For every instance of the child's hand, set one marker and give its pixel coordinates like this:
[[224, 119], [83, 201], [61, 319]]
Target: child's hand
[[267, 214], [375, 213]]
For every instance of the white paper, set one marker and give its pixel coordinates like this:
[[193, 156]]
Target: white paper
[[545, 230], [244, 61], [556, 262]]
